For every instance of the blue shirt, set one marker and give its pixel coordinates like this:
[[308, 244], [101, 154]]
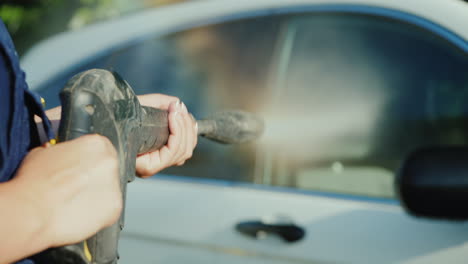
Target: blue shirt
[[18, 105]]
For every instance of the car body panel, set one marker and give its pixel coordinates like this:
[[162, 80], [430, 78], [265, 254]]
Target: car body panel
[[201, 218]]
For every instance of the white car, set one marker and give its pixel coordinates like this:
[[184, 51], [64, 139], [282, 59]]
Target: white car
[[348, 88]]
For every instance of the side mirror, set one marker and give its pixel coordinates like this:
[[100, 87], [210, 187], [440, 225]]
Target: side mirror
[[433, 182]]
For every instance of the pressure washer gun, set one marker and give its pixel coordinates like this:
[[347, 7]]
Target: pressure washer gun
[[100, 102]]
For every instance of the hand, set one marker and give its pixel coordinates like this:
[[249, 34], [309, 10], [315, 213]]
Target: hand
[[74, 186], [182, 139]]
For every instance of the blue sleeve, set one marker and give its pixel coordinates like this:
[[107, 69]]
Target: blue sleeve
[[5, 110], [18, 105]]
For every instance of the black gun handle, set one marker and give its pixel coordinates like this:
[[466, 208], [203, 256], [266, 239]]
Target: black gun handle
[[88, 108], [100, 102], [153, 131]]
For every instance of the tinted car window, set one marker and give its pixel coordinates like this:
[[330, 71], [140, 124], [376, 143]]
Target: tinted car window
[[345, 97], [361, 93], [210, 68]]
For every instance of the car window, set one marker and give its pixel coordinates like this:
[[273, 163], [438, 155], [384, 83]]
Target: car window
[[345, 97], [358, 94], [210, 68]]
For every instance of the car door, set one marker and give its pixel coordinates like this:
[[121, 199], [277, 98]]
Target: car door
[[346, 96]]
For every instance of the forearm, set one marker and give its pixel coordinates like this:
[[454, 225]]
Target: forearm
[[62, 203], [22, 228]]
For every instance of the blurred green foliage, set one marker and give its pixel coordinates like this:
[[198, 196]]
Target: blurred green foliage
[[16, 15], [30, 21]]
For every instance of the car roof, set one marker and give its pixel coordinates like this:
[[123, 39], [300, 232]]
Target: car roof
[[53, 56]]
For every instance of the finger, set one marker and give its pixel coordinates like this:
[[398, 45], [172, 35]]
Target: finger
[[194, 131], [195, 128], [174, 142], [180, 155], [190, 137], [174, 109], [143, 165], [150, 163], [160, 101]]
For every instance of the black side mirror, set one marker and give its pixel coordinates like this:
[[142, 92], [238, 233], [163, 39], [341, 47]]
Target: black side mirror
[[433, 182]]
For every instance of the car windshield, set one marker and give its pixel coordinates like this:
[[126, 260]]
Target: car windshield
[[345, 97]]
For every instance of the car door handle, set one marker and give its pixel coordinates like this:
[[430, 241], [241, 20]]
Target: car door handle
[[288, 232]]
